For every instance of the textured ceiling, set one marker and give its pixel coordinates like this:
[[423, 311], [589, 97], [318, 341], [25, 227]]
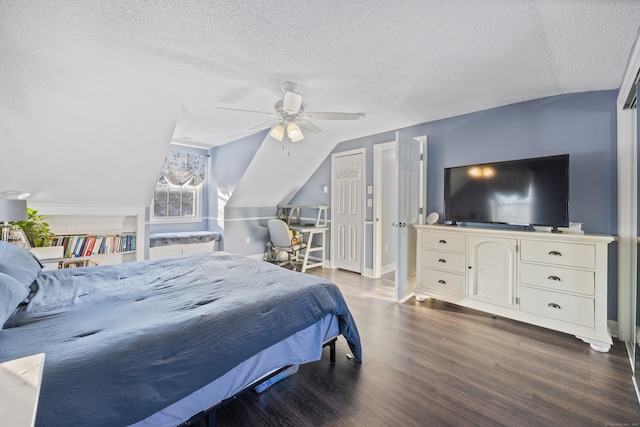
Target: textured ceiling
[[399, 62], [93, 92]]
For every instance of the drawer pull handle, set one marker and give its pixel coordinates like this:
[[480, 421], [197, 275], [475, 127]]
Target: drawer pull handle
[[442, 241], [442, 260], [442, 282], [554, 305], [555, 253], [555, 278]]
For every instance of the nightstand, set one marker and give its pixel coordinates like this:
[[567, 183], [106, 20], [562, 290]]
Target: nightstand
[[49, 256]]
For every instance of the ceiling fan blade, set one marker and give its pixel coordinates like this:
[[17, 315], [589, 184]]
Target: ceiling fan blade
[[267, 124], [307, 125], [271, 113], [291, 102], [334, 116]]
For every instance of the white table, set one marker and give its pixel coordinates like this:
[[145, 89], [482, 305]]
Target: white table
[[291, 214], [308, 231], [20, 389], [49, 256]]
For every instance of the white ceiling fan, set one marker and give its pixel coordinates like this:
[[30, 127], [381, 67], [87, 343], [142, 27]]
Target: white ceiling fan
[[290, 119]]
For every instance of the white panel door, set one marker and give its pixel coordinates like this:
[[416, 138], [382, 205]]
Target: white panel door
[[409, 166], [347, 216]]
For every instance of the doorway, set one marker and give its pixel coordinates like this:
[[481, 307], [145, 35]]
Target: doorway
[[400, 186]]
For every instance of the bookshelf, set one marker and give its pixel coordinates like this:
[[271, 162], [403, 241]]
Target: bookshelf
[[96, 235]]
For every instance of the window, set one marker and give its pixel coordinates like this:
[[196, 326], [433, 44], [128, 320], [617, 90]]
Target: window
[[179, 189], [174, 202]]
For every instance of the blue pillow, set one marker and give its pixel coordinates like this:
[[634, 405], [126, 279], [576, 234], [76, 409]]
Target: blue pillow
[[19, 264], [12, 293]]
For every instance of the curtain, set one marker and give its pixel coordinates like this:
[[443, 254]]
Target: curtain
[[183, 168]]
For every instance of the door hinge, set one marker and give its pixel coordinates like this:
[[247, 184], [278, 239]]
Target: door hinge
[[420, 211], [517, 300], [421, 157]]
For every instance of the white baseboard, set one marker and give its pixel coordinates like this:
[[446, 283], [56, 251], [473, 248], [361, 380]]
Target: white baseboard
[[388, 268], [613, 326], [407, 298]]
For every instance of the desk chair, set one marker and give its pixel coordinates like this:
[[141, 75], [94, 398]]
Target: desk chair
[[281, 242]]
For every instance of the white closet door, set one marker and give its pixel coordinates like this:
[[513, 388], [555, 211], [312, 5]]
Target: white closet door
[[347, 216]]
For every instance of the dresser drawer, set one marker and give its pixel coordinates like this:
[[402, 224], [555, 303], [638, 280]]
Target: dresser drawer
[[445, 260], [558, 253], [557, 278], [443, 281], [444, 241], [567, 308]]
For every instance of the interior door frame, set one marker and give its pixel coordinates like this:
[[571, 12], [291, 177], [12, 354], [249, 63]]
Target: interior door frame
[[377, 204], [334, 192]]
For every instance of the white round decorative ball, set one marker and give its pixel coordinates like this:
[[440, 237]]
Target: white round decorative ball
[[432, 218]]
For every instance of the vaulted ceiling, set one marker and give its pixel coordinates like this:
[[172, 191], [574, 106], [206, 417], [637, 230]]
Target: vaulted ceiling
[[122, 78]]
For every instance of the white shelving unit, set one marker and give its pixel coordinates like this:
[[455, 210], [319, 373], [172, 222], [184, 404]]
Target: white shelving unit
[[98, 221]]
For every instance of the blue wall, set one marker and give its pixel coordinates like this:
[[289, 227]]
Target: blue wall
[[227, 165], [581, 124]]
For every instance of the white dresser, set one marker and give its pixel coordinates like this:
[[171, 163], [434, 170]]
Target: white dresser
[[557, 281]]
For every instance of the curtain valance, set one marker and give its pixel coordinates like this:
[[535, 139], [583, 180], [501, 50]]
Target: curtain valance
[[183, 168]]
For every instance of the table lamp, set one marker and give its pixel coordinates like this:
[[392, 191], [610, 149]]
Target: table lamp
[[11, 210]]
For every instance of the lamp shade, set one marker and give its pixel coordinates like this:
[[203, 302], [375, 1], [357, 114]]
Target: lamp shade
[[294, 132], [13, 210], [277, 132]]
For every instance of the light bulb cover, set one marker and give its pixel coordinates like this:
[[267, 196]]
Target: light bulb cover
[[294, 132], [277, 132]]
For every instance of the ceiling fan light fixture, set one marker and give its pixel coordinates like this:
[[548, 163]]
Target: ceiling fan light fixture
[[277, 132], [294, 132]]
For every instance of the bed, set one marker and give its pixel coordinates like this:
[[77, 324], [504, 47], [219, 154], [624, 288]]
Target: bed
[[153, 342]]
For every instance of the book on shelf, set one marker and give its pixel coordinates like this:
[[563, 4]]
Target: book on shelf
[[77, 250], [88, 247], [97, 246]]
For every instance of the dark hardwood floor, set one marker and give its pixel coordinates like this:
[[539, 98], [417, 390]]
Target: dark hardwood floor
[[436, 364]]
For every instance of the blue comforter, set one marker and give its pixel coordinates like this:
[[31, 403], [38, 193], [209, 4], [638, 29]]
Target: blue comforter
[[125, 341]]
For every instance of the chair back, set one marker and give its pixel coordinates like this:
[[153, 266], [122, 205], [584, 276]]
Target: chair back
[[279, 233]]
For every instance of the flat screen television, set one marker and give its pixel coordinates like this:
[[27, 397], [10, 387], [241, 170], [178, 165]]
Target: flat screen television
[[520, 192]]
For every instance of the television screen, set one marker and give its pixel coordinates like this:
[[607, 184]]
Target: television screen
[[520, 192]]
